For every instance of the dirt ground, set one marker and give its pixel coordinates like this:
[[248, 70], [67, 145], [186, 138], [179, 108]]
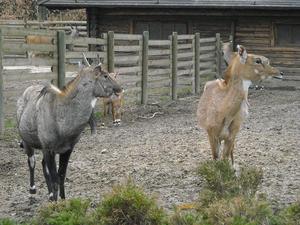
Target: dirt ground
[[161, 154]]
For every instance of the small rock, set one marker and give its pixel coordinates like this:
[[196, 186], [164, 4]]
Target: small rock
[[104, 151]]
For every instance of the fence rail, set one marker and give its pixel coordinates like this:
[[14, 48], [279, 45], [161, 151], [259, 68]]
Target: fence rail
[[149, 70]]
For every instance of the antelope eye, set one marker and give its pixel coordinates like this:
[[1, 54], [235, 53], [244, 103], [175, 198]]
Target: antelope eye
[[258, 61], [105, 76]]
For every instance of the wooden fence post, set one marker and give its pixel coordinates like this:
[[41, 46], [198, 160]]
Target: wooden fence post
[[218, 55], [174, 51], [231, 42], [1, 87], [197, 62], [61, 48], [110, 52], [145, 67]]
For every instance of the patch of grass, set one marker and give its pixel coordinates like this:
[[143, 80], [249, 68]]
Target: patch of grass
[[10, 123], [128, 205], [69, 212], [291, 214], [98, 115], [7, 221]]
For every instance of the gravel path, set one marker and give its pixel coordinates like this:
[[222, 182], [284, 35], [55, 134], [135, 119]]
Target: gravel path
[[162, 154]]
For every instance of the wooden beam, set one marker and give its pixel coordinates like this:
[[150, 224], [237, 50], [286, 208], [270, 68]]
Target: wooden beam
[[61, 47], [1, 86], [174, 50], [145, 67]]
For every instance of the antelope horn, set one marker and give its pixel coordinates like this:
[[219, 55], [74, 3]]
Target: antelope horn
[[85, 60]]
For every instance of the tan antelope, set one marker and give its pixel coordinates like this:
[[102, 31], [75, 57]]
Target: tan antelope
[[223, 105], [114, 104]]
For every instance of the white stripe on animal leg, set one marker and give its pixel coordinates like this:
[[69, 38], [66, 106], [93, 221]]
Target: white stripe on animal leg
[[51, 195], [93, 103], [47, 170], [32, 188], [32, 161]]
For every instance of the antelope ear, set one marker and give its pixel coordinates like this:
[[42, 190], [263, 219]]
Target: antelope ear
[[98, 69], [242, 53]]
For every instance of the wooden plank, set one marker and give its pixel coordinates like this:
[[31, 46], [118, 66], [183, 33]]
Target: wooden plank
[[207, 55], [11, 48], [185, 64], [159, 62], [184, 72], [197, 62], [61, 47], [15, 75], [157, 72], [159, 52], [145, 50], [127, 59], [85, 41], [128, 37], [159, 43], [29, 62], [207, 71], [208, 64], [78, 55], [174, 64], [184, 46], [10, 31], [132, 69], [185, 37], [207, 40], [185, 55], [110, 51], [2, 125], [207, 48], [129, 48]]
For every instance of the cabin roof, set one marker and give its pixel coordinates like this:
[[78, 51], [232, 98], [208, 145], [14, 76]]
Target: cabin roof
[[252, 4]]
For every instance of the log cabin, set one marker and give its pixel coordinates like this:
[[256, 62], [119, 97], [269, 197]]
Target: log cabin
[[266, 27]]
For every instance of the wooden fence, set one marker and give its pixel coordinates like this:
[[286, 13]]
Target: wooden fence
[[150, 70]]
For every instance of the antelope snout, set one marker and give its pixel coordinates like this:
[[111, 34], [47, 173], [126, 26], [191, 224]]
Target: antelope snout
[[280, 76]]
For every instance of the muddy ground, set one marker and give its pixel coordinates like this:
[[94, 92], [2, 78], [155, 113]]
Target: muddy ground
[[161, 154]]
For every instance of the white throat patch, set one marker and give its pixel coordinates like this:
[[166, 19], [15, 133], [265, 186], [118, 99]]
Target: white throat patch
[[56, 89], [93, 102], [246, 84]]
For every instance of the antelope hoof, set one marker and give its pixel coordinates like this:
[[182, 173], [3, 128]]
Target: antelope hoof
[[32, 190]]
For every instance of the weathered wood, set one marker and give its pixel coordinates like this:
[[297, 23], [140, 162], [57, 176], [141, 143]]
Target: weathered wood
[[11, 31], [144, 97], [131, 69], [185, 64], [184, 72], [159, 62], [185, 46], [208, 48], [197, 62], [132, 59], [159, 42], [159, 52], [207, 56], [185, 37], [207, 71], [29, 62], [207, 40], [1, 86], [208, 64], [110, 51], [78, 55], [174, 64], [16, 75], [129, 48], [61, 47], [128, 37], [158, 72], [85, 41], [218, 55], [185, 55], [19, 47]]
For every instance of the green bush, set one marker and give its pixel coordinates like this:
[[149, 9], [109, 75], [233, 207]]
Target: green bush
[[291, 214], [69, 212], [6, 221], [128, 205], [222, 182]]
